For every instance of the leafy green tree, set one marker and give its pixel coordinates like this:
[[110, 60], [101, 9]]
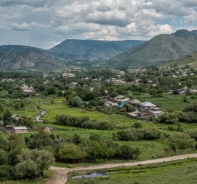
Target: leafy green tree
[[41, 139], [33, 162], [16, 141], [26, 169], [95, 137], [76, 101], [7, 117], [71, 152], [76, 139], [3, 157], [180, 141], [1, 107]]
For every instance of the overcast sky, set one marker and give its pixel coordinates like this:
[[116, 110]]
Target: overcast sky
[[45, 23]]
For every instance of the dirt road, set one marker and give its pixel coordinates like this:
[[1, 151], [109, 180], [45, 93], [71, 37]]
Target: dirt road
[[61, 176]]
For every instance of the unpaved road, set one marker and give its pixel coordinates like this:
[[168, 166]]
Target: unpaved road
[[61, 175]]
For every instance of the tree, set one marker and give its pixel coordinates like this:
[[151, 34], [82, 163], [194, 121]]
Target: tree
[[40, 139], [180, 141], [76, 139], [71, 153], [3, 157], [7, 117], [1, 107], [95, 137], [76, 101], [16, 141], [26, 169], [32, 163]]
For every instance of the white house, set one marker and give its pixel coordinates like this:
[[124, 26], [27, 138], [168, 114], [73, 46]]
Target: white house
[[147, 106], [20, 130]]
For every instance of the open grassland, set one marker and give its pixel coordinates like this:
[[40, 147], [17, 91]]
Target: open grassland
[[168, 101], [184, 172]]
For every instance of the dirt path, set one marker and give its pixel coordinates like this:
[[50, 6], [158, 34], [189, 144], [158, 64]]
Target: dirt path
[[61, 176]]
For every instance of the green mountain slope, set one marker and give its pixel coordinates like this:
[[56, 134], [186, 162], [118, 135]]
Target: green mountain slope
[[160, 49], [190, 60], [92, 50]]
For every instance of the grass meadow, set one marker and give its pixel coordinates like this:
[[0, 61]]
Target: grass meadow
[[184, 172]]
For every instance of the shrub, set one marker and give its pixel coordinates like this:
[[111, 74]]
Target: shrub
[[180, 141]]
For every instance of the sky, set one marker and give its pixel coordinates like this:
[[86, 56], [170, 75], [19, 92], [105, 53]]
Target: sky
[[46, 23]]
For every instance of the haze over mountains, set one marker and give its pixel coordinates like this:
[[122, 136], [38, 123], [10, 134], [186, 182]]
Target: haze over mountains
[[108, 54]]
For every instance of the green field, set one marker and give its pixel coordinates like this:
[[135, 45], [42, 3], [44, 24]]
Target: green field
[[168, 101], [183, 172], [149, 149]]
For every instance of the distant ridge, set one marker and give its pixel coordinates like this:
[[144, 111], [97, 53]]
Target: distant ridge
[[99, 50], [186, 34]]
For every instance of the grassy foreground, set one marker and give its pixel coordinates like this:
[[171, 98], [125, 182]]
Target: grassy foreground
[[183, 172]]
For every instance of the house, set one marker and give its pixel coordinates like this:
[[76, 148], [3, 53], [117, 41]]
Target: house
[[193, 90], [147, 106], [134, 102], [118, 98], [7, 80], [135, 114], [20, 130], [136, 70], [68, 75], [157, 113], [109, 104], [118, 72], [27, 90]]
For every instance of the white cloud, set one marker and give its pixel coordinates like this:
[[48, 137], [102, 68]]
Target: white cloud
[[45, 22]]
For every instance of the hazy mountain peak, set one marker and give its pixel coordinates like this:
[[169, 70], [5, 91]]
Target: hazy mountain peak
[[185, 33]]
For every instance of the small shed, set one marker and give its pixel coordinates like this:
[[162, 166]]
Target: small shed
[[47, 130], [20, 130]]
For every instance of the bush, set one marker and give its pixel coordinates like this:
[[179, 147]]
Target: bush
[[152, 133], [6, 172], [139, 134], [84, 122], [180, 141]]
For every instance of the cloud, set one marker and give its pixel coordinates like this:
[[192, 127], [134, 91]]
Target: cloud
[[174, 8], [20, 27], [45, 22], [33, 3], [189, 3], [114, 17], [103, 8]]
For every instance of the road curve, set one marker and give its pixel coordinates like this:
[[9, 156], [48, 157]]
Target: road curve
[[61, 176]]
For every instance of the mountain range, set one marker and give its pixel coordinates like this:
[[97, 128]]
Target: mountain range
[[17, 57], [160, 49], [100, 54], [93, 50]]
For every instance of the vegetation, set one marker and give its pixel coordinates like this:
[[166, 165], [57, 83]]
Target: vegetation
[[70, 121], [173, 172]]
